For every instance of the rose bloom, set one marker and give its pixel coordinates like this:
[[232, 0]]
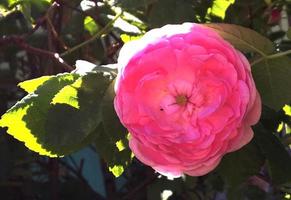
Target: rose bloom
[[187, 98]]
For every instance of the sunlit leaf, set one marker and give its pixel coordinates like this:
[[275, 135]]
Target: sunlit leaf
[[25, 120], [75, 113], [68, 95], [287, 110], [116, 170], [120, 146], [90, 25], [127, 38], [219, 7], [61, 115], [280, 127], [31, 85]]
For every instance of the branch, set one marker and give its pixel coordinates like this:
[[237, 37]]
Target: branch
[[79, 175], [109, 181], [141, 186], [54, 178], [41, 20], [55, 34], [20, 42], [93, 38]]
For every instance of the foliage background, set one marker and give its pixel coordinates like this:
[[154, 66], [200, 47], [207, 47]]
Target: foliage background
[[32, 31]]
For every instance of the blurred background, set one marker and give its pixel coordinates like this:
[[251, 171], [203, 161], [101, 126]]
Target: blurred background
[[45, 37]]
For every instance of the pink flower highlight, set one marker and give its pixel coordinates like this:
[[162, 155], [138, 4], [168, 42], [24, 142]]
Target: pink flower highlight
[[187, 98]]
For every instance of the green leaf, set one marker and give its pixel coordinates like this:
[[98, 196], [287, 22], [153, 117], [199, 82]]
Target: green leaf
[[127, 38], [243, 38], [289, 33], [61, 115], [134, 21], [4, 4], [31, 85], [75, 113], [271, 119], [278, 159], [116, 170], [90, 25], [273, 81], [236, 167], [111, 132], [287, 110], [133, 4], [116, 159], [26, 9], [38, 7], [26, 119], [181, 11], [14, 23], [112, 125], [219, 7]]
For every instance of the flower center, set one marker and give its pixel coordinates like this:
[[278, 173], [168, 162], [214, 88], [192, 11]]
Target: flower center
[[181, 100]]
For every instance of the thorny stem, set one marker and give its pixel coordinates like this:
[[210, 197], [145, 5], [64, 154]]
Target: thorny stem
[[93, 38]]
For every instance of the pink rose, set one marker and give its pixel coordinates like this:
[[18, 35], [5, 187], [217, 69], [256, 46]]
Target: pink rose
[[187, 98]]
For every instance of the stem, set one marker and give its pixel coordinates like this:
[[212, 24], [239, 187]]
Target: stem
[[79, 175], [55, 34], [20, 42], [258, 60], [97, 35], [51, 55], [277, 55], [54, 178]]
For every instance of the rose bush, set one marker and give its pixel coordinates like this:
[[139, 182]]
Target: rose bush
[[187, 98]]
